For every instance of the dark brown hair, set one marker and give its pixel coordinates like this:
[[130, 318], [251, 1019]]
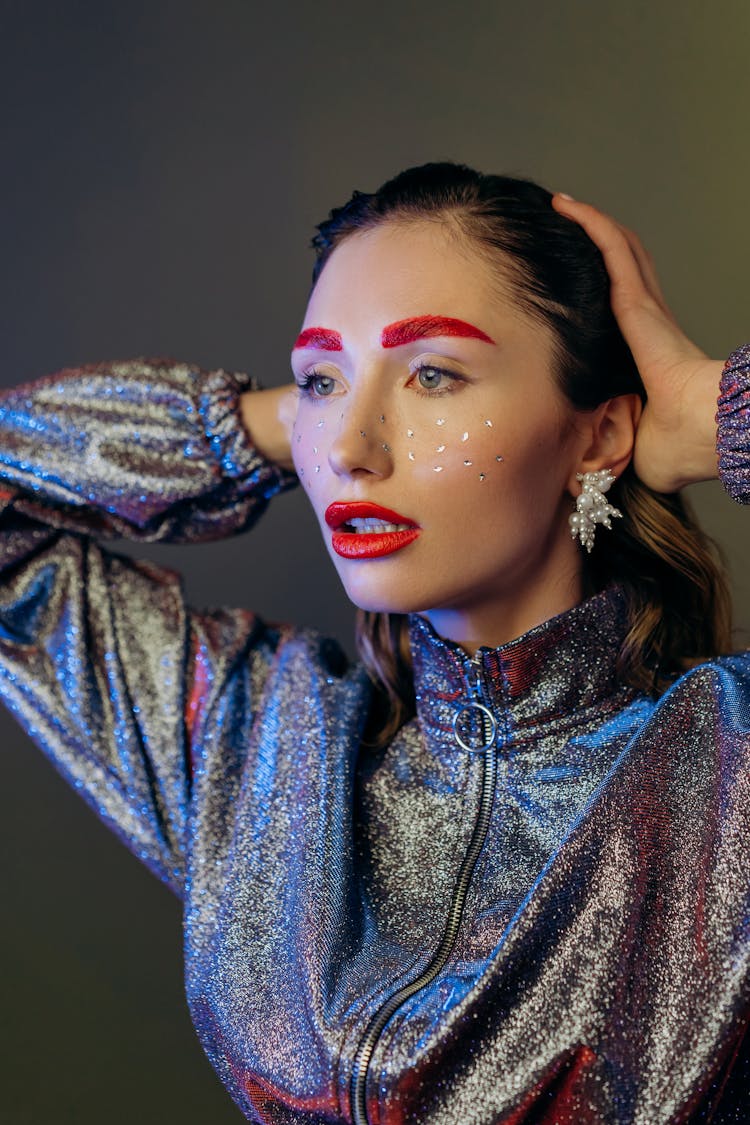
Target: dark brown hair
[[677, 593]]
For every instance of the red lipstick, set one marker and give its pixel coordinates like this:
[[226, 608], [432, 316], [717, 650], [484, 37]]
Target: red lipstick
[[354, 544]]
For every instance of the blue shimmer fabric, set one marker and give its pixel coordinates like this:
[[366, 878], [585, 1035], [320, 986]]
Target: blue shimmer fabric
[[596, 965]]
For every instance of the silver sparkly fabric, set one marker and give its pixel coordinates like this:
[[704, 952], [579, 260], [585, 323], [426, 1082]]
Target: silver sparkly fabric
[[733, 443], [600, 968]]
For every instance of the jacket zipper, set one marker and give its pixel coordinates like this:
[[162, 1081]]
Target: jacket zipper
[[378, 1022]]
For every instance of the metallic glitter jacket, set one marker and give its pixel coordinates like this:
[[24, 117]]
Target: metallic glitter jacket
[[532, 906]]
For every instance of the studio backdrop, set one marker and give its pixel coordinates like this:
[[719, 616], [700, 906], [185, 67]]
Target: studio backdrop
[[164, 163]]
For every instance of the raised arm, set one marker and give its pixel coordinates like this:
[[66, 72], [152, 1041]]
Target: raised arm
[[141, 449], [100, 658], [677, 442]]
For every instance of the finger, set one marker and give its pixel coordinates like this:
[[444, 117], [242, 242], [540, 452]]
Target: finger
[[648, 271], [628, 282], [596, 223]]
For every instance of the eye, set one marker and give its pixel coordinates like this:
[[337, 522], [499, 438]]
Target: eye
[[430, 378], [435, 380], [316, 385]]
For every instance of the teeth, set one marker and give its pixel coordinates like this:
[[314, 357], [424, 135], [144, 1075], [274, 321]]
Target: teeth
[[369, 526]]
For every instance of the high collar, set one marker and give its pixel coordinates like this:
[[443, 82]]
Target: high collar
[[551, 676]]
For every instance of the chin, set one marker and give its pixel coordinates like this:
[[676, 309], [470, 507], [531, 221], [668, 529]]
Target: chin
[[386, 597], [367, 596], [374, 604]]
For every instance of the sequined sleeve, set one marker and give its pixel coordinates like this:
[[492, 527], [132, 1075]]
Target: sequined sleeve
[[733, 418], [101, 660]]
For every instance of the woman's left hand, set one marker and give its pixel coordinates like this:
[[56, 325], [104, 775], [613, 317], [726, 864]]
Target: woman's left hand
[[676, 437]]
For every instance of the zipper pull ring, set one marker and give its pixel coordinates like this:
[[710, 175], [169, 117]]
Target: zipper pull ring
[[489, 727], [475, 708]]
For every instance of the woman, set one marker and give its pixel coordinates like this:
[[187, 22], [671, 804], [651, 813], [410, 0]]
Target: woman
[[496, 872]]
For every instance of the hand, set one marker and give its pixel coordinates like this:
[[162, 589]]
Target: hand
[[676, 437], [268, 417]]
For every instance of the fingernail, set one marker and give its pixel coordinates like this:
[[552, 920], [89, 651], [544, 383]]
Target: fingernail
[[564, 195]]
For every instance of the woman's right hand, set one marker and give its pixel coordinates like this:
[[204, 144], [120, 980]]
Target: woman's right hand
[[268, 417]]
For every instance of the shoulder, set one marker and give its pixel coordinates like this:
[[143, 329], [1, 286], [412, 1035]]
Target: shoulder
[[725, 677], [713, 695]]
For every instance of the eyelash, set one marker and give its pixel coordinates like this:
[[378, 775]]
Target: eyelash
[[307, 378], [453, 377]]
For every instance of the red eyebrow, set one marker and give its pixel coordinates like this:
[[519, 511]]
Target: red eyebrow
[[404, 331], [324, 338]]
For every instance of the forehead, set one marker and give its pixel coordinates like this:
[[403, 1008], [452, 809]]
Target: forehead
[[400, 268]]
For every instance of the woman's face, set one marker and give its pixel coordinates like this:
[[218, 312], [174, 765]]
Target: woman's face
[[435, 447]]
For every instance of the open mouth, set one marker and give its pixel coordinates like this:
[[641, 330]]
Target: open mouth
[[365, 530], [359, 525]]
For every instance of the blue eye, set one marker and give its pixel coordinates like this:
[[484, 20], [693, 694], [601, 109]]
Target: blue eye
[[430, 377], [436, 380], [316, 385]]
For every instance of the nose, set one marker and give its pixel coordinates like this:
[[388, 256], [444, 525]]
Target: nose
[[362, 444]]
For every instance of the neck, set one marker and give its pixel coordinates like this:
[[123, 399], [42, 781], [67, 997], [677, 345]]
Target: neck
[[494, 623]]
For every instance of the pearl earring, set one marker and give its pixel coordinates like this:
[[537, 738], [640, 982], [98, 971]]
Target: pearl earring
[[592, 507]]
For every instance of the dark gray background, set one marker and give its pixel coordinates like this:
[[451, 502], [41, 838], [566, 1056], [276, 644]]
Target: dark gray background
[[163, 166]]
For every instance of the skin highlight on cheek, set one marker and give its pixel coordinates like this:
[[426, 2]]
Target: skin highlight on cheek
[[450, 450]]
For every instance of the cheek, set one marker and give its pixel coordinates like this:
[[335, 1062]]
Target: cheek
[[466, 449], [310, 443]]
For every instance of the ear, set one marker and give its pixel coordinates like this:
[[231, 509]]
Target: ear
[[608, 437]]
